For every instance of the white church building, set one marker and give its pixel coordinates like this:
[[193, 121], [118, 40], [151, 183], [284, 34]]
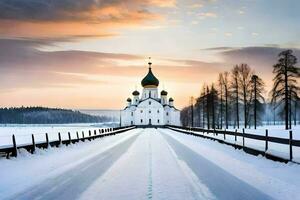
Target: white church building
[[150, 108]]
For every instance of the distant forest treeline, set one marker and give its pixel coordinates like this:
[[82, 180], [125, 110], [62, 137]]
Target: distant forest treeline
[[42, 115], [237, 98]]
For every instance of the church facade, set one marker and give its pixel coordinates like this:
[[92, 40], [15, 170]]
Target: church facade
[[150, 108]]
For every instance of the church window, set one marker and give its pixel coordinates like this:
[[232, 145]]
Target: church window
[[131, 113], [150, 94], [149, 111], [149, 102], [157, 111], [141, 120], [131, 122], [141, 111], [167, 114], [158, 121]]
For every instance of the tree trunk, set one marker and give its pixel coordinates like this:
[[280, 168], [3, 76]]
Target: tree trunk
[[245, 106], [203, 113], [221, 108], [286, 95], [237, 105], [207, 109], [255, 105], [213, 111], [226, 106]]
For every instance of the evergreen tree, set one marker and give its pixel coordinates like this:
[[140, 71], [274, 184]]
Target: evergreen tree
[[257, 90], [285, 89]]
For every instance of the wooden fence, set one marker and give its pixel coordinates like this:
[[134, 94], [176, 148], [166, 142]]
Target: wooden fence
[[12, 150], [266, 138]]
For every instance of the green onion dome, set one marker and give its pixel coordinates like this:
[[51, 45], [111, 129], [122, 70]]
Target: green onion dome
[[150, 80], [135, 93], [163, 92], [128, 100]]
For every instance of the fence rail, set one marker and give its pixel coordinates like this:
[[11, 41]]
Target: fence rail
[[12, 150], [266, 138]]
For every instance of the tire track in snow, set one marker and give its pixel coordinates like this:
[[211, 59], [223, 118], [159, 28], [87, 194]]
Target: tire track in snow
[[222, 184], [150, 184]]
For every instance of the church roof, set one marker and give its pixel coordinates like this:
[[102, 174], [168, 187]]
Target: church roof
[[164, 92], [135, 93], [150, 79]]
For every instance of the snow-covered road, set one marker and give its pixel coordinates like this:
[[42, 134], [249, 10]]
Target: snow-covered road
[[149, 164]]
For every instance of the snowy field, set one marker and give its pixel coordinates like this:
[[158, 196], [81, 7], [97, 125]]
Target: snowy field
[[23, 131], [273, 148], [146, 164]]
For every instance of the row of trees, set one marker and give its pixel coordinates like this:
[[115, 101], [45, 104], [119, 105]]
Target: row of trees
[[42, 115], [237, 98]]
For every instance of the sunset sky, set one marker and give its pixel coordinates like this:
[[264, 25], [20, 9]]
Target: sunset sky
[[93, 53]]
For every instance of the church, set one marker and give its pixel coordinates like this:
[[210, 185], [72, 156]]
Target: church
[[150, 108]]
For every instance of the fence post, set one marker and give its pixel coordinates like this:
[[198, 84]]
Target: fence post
[[243, 137], [291, 145], [90, 134], [267, 135], [47, 141], [15, 150], [59, 138], [77, 136], [69, 134], [235, 138], [95, 133], [225, 134], [33, 144], [83, 136]]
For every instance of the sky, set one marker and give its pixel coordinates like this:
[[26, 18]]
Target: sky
[[93, 53]]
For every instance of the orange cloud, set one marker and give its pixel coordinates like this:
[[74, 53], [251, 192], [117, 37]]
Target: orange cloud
[[61, 18]]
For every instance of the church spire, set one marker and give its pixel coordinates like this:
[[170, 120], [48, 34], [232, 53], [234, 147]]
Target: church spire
[[149, 63], [150, 80]]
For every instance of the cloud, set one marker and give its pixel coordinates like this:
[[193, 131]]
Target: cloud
[[23, 64], [228, 34], [205, 15], [68, 10], [219, 48], [196, 5], [34, 18]]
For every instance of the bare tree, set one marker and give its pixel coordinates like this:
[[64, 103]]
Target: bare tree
[[235, 91], [245, 74], [225, 78], [221, 87]]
